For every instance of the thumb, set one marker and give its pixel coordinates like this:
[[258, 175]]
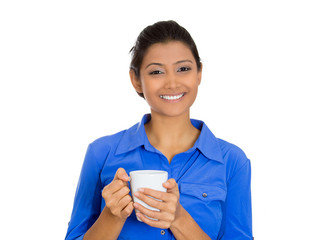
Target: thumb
[[171, 185], [121, 174]]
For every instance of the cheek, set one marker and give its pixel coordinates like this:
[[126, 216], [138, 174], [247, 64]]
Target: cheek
[[149, 91], [193, 90], [193, 85], [150, 86], [194, 94]]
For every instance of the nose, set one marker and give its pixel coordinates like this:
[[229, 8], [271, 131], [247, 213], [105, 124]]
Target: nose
[[171, 81]]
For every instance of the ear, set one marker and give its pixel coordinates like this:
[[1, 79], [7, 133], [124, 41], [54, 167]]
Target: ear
[[136, 83], [199, 75]]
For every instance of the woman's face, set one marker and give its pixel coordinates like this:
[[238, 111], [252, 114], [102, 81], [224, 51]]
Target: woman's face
[[169, 78]]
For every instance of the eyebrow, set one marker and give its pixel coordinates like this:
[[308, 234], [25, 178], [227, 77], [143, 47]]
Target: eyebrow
[[160, 64]]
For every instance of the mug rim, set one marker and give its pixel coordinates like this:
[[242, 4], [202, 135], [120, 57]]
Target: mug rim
[[150, 172]]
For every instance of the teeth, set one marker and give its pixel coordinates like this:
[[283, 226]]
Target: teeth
[[171, 97]]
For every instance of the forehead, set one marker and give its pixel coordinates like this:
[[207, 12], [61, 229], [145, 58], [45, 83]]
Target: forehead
[[168, 52]]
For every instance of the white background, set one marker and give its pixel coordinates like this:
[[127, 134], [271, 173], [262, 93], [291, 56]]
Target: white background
[[64, 83]]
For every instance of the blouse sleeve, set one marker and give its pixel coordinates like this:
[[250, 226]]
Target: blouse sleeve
[[87, 201], [237, 219]]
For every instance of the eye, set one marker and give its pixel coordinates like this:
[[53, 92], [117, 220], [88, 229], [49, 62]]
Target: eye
[[155, 72], [184, 69]]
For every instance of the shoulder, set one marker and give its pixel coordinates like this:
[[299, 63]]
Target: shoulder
[[234, 157], [218, 149], [231, 150], [103, 145], [110, 145], [100, 149]]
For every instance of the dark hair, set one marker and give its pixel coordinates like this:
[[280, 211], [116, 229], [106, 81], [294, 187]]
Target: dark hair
[[160, 32]]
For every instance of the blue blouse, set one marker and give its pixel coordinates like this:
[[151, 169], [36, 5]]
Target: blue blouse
[[213, 177]]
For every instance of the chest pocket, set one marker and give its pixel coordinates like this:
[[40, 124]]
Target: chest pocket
[[203, 192], [204, 203]]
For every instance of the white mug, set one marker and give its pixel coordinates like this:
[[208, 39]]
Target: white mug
[[152, 179]]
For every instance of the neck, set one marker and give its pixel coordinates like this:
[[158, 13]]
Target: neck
[[170, 131]]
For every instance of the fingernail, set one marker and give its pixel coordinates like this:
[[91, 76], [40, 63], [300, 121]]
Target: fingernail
[[136, 194], [141, 190]]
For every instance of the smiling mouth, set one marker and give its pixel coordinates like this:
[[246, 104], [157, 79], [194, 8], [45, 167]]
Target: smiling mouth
[[172, 97]]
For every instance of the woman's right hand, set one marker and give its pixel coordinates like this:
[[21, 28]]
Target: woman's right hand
[[116, 195]]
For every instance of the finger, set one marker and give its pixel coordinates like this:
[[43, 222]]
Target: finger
[[126, 212], [170, 185], [121, 193], [150, 201], [164, 196], [159, 215], [113, 201], [113, 187], [153, 223], [123, 202], [122, 175]]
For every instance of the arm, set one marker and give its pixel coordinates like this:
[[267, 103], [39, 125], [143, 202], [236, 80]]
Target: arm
[[172, 215], [87, 201], [106, 227], [186, 228], [86, 220], [118, 208], [237, 219]]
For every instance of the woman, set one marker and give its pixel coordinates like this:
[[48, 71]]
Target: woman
[[208, 191]]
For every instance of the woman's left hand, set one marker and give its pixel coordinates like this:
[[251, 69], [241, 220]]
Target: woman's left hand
[[169, 206]]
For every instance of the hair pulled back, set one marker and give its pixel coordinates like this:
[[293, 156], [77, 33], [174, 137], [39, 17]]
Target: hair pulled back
[[160, 32]]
